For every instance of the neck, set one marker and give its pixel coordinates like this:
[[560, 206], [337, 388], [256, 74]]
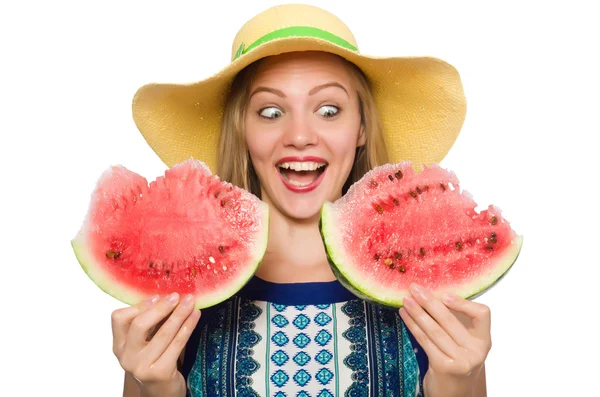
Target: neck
[[295, 251]]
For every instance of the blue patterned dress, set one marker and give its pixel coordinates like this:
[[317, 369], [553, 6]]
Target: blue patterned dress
[[301, 340]]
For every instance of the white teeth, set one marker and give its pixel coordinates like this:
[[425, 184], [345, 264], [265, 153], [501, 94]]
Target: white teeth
[[302, 166]]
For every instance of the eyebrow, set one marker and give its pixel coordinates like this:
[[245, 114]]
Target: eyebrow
[[330, 84], [313, 91], [267, 89]]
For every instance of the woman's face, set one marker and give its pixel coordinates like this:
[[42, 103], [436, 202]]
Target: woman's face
[[302, 127]]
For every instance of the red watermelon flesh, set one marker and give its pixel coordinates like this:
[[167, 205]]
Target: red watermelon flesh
[[186, 232], [395, 227]]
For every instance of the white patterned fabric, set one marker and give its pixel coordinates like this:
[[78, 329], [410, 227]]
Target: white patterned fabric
[[248, 346]]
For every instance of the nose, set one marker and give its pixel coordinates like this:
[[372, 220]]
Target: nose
[[300, 133]]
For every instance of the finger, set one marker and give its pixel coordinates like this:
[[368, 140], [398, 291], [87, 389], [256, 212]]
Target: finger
[[173, 351], [155, 328], [164, 336], [480, 314], [434, 354], [122, 318], [140, 326], [436, 334], [440, 314]]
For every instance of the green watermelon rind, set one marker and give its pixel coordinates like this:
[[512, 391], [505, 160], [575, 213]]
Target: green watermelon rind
[[127, 295], [341, 265]]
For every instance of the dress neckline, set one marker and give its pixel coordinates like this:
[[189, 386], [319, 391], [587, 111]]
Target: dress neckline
[[306, 293]]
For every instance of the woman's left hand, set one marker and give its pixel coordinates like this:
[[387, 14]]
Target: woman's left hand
[[456, 352]]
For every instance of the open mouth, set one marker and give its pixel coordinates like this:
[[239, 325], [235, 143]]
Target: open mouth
[[301, 174]]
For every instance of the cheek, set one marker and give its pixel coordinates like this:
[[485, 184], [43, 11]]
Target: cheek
[[344, 144], [260, 144], [256, 150]]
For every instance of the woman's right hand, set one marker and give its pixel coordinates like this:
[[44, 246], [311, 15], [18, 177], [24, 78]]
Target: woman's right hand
[[148, 339]]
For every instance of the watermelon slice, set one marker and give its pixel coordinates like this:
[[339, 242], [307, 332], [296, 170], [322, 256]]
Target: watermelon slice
[[186, 232], [396, 226]]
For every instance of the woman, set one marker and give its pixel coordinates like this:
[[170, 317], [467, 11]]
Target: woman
[[297, 117]]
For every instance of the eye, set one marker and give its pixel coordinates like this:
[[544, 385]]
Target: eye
[[270, 113], [328, 111]]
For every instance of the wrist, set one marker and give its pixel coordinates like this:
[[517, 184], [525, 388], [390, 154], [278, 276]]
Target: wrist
[[443, 386], [175, 388], [162, 392]]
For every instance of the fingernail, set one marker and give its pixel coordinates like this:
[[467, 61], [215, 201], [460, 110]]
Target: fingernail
[[172, 299], [448, 298], [187, 300], [418, 290], [152, 300], [408, 301]]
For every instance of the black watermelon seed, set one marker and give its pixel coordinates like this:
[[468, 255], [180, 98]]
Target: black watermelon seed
[[426, 188], [168, 273], [398, 174], [395, 202], [373, 183], [379, 209], [489, 247], [223, 202], [111, 254], [398, 255], [391, 178], [493, 238], [494, 220], [118, 254], [413, 194], [151, 265], [459, 246], [443, 186], [419, 190], [217, 194], [221, 249], [402, 269], [422, 251], [376, 257]]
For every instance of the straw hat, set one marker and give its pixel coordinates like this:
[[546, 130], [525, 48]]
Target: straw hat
[[421, 99]]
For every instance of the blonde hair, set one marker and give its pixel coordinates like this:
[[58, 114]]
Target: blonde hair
[[233, 162]]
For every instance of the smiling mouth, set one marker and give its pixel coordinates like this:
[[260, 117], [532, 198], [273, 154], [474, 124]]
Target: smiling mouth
[[301, 174]]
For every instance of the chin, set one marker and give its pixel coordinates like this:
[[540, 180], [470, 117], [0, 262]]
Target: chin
[[302, 209]]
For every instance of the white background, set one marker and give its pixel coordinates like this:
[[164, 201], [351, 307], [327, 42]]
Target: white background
[[529, 145]]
